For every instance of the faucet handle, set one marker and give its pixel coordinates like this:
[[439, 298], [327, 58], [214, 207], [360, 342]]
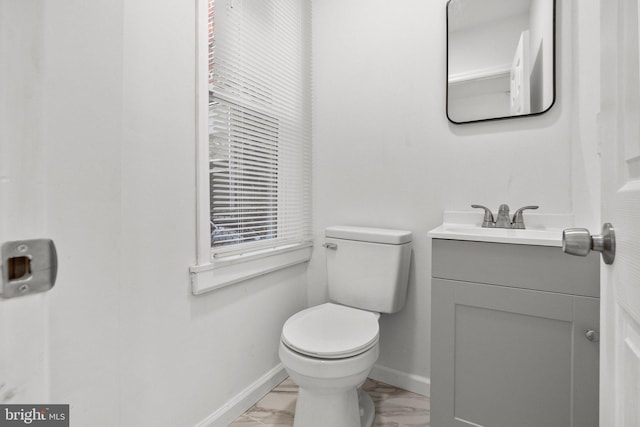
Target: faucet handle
[[488, 221], [518, 219]]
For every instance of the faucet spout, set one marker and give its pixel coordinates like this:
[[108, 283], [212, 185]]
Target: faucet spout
[[503, 220]]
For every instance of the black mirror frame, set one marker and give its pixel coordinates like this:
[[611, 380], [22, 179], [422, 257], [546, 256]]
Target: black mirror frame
[[555, 60]]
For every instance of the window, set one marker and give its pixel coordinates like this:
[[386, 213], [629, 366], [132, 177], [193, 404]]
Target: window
[[254, 139], [243, 176]]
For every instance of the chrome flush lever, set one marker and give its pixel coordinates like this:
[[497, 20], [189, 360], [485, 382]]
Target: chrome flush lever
[[330, 246]]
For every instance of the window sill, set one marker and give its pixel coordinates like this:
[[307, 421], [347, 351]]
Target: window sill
[[221, 273]]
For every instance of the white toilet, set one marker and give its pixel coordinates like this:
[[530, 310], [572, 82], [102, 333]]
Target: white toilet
[[329, 349]]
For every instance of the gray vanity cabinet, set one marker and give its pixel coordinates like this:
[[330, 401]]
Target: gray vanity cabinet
[[509, 336]]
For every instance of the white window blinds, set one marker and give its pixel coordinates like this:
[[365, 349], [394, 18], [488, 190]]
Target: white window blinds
[[259, 124]]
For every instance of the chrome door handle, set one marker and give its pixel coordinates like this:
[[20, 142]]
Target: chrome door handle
[[592, 335], [578, 241]]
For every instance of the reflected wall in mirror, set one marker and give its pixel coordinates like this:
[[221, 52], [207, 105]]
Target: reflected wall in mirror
[[500, 59]]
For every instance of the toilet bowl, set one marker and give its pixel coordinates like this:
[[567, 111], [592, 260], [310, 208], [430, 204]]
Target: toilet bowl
[[329, 350]]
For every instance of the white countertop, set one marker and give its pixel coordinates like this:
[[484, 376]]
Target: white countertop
[[542, 229]]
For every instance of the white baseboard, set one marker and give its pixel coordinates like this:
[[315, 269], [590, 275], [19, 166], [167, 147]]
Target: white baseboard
[[237, 406], [411, 382]]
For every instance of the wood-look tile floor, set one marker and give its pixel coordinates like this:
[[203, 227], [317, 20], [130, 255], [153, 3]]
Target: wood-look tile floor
[[394, 407]]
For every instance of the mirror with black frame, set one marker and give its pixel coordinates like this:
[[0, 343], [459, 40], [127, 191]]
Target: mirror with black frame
[[500, 59]]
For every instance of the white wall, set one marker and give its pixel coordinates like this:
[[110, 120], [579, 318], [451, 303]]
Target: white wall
[[385, 155], [81, 139], [486, 46], [480, 49], [481, 101], [128, 345], [22, 361], [187, 354]]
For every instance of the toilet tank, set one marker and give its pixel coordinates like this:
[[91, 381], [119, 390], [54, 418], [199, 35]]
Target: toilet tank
[[368, 268]]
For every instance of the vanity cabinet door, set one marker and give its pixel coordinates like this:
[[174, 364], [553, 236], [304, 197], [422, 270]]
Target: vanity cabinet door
[[505, 357]]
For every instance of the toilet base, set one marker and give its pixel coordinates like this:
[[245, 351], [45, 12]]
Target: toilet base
[[351, 408], [330, 390], [367, 408], [334, 409]]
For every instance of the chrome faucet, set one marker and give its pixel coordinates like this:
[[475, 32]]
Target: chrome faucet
[[503, 220]]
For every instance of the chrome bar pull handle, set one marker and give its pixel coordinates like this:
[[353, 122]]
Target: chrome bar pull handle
[[578, 241]]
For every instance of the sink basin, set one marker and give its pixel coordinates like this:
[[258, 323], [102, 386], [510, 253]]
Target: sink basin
[[471, 232]]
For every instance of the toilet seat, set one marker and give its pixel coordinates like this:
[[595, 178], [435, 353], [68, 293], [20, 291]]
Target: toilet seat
[[331, 331]]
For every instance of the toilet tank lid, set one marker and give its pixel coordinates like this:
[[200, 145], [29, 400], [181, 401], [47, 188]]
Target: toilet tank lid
[[368, 234]]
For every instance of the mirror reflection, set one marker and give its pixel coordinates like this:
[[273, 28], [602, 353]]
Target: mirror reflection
[[500, 58]]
